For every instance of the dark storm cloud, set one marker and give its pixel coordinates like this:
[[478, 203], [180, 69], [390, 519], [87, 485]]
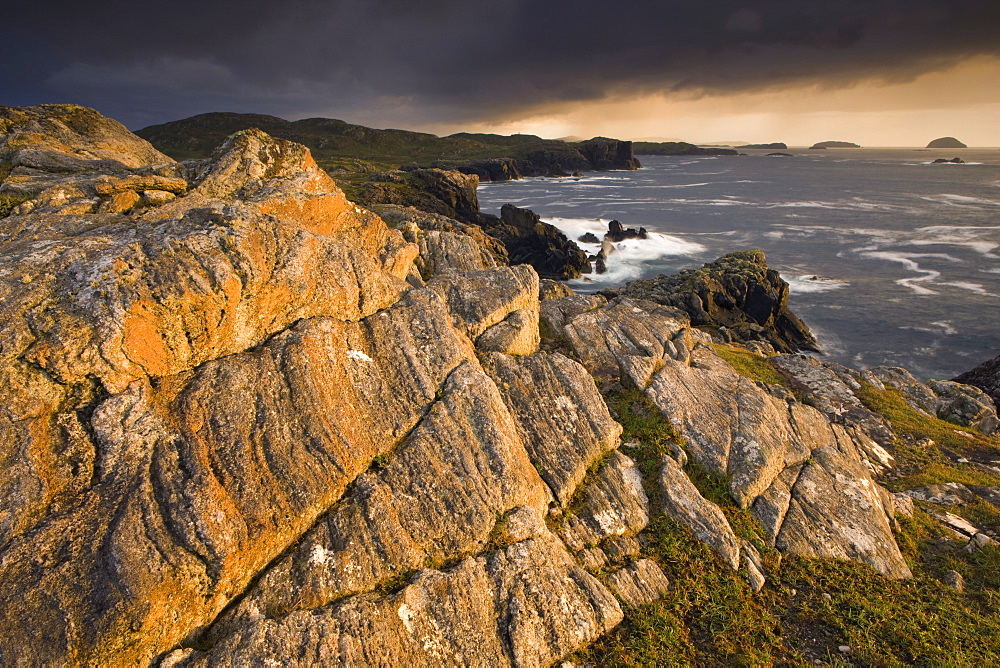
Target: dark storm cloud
[[406, 62]]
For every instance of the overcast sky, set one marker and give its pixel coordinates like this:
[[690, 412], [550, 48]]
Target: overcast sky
[[880, 72]]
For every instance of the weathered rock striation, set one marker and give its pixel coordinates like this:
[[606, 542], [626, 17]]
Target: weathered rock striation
[[248, 422]]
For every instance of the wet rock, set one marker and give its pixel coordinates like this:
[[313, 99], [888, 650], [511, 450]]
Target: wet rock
[[986, 377]]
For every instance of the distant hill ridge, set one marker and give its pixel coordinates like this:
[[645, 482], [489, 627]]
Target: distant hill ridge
[[337, 144]]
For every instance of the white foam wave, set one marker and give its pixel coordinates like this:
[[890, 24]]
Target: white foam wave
[[628, 260], [972, 287], [844, 205], [908, 260], [960, 200], [682, 185], [938, 327], [811, 283], [710, 202]]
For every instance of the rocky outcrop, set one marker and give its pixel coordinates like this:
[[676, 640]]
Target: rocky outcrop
[[493, 169], [986, 377], [244, 425], [966, 405], [954, 161], [530, 241], [946, 142], [737, 292], [605, 154], [773, 146], [807, 480]]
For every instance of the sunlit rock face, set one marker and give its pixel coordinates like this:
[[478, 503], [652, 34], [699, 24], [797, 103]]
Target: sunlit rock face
[[245, 422]]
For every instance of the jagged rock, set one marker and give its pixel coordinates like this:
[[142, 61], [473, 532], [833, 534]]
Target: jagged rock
[[114, 299], [455, 189], [614, 504], [604, 154], [541, 245], [941, 161], [493, 169], [766, 444], [986, 377], [962, 404], [833, 393], [549, 289], [752, 565], [958, 525], [617, 232], [589, 238], [527, 604], [640, 583], [738, 291], [683, 503], [835, 510], [555, 313], [561, 416], [445, 252], [499, 292], [902, 504]]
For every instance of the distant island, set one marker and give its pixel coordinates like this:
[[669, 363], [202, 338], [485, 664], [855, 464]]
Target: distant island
[[775, 146], [946, 142], [677, 148], [835, 144]]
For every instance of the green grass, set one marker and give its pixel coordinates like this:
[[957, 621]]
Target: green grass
[[750, 364], [808, 608], [905, 420], [8, 202]]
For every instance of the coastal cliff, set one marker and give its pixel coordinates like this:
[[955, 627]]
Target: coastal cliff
[[248, 421]]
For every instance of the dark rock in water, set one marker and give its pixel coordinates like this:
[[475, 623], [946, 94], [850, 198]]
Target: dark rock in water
[[493, 169], [589, 238], [577, 173], [780, 155], [601, 259], [543, 246], [773, 146], [618, 232], [739, 292], [946, 142], [986, 377], [940, 161]]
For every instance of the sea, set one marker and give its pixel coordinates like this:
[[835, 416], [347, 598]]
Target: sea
[[891, 259]]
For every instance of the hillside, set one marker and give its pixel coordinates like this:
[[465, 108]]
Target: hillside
[[249, 422], [337, 145]]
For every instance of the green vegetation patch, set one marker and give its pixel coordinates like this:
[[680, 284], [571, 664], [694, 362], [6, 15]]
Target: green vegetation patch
[[8, 202], [749, 364], [809, 607], [905, 420]]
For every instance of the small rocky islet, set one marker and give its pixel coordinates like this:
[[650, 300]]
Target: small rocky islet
[[248, 420]]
